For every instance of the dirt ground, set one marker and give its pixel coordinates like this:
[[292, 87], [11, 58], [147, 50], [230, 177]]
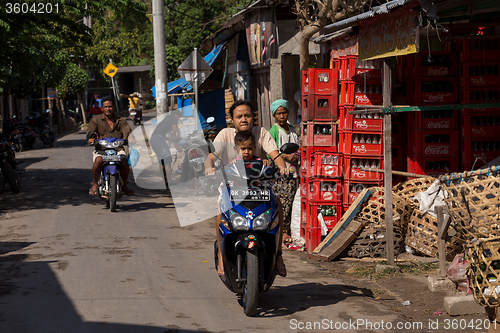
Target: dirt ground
[[394, 288]]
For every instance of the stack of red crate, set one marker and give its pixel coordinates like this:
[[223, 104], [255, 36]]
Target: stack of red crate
[[321, 167], [361, 136], [433, 136], [479, 83]]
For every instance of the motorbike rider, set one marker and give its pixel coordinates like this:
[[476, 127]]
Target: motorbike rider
[[135, 104], [95, 110], [108, 124], [242, 116]]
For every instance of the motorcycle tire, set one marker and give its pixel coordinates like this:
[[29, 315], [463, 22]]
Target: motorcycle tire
[[251, 286], [12, 178], [19, 147], [112, 195]]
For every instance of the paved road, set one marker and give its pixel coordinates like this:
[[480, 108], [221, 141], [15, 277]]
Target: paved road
[[67, 264]]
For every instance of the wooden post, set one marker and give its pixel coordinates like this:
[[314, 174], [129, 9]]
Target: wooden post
[[388, 163], [441, 241], [83, 109], [51, 108]]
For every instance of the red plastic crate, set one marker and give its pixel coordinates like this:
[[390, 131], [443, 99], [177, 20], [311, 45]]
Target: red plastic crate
[[304, 207], [326, 164], [353, 188], [346, 93], [365, 122], [368, 94], [427, 143], [433, 120], [330, 221], [480, 95], [329, 139], [477, 75], [355, 143], [479, 50], [304, 185], [313, 238], [307, 158], [397, 158], [433, 166], [319, 107], [483, 149], [443, 64], [347, 67], [432, 92], [398, 135], [352, 169], [480, 124], [320, 81], [402, 67], [324, 190]]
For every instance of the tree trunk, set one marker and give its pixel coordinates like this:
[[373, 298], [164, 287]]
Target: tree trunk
[[83, 110], [305, 36], [62, 117], [51, 112]]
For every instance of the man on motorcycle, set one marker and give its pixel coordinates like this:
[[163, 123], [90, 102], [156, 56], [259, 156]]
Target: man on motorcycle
[[105, 125], [135, 104]]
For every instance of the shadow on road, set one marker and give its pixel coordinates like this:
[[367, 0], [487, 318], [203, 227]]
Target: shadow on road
[[34, 301]]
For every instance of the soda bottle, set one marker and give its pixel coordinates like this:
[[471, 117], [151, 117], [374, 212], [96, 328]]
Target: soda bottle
[[355, 138], [368, 139], [362, 139]]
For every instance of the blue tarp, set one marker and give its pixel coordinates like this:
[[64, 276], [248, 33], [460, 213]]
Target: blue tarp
[[212, 104]]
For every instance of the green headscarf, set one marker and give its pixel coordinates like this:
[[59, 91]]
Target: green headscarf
[[277, 103]]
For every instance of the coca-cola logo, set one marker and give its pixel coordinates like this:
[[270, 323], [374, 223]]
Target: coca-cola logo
[[329, 170], [482, 155], [360, 149], [479, 131], [478, 81], [479, 109], [439, 124], [366, 74], [436, 98], [437, 150], [438, 71], [361, 124], [327, 196], [358, 174], [362, 99], [321, 140]]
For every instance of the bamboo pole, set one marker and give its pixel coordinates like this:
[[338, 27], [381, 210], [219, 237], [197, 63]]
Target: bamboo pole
[[388, 162]]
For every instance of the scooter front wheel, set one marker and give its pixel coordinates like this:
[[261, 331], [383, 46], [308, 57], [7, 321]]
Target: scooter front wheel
[[251, 287]]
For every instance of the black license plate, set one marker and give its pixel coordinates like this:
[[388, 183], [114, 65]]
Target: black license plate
[[111, 158], [250, 195]]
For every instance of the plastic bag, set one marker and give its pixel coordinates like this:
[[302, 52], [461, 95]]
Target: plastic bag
[[133, 157], [457, 272]]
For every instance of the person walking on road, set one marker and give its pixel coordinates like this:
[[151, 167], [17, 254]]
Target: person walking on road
[[105, 125], [285, 186]]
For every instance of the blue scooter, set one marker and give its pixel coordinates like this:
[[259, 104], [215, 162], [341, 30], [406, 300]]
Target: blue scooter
[[110, 187], [249, 228]]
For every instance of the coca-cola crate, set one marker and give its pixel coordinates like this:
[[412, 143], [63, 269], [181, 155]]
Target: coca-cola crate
[[353, 188], [352, 169], [435, 92], [433, 166], [327, 190], [429, 143], [304, 207], [480, 95], [306, 161], [347, 67], [484, 124], [368, 94], [304, 185], [332, 213], [320, 81], [319, 107], [483, 149], [402, 67], [371, 122], [433, 120], [312, 237], [397, 158], [439, 64], [478, 50], [397, 133], [368, 70], [323, 134], [325, 164], [346, 96], [363, 143], [477, 75]]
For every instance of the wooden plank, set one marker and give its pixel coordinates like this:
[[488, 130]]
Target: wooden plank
[[441, 242], [325, 247], [389, 230], [399, 173], [343, 240]]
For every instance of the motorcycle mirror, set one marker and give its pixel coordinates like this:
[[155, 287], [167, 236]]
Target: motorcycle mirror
[[210, 120], [289, 148]]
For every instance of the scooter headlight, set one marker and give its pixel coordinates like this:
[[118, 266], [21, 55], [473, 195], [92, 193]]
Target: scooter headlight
[[239, 222], [261, 221]]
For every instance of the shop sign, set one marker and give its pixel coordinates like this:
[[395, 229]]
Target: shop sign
[[389, 35]]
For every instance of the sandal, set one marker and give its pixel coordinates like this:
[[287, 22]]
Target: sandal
[[220, 274], [279, 268], [129, 192], [92, 192]]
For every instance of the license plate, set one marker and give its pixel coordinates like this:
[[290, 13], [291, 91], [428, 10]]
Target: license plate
[[133, 113], [250, 195], [197, 161], [111, 158]]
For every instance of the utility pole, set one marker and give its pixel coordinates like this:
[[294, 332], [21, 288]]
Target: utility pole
[[160, 59]]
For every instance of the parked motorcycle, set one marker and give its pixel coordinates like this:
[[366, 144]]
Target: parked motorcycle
[[29, 136], [196, 152], [9, 166], [249, 229], [40, 124], [110, 186]]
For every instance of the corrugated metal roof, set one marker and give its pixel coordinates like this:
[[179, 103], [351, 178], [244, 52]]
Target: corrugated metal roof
[[382, 9], [327, 37]]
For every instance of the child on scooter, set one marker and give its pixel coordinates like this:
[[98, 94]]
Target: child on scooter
[[245, 144]]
